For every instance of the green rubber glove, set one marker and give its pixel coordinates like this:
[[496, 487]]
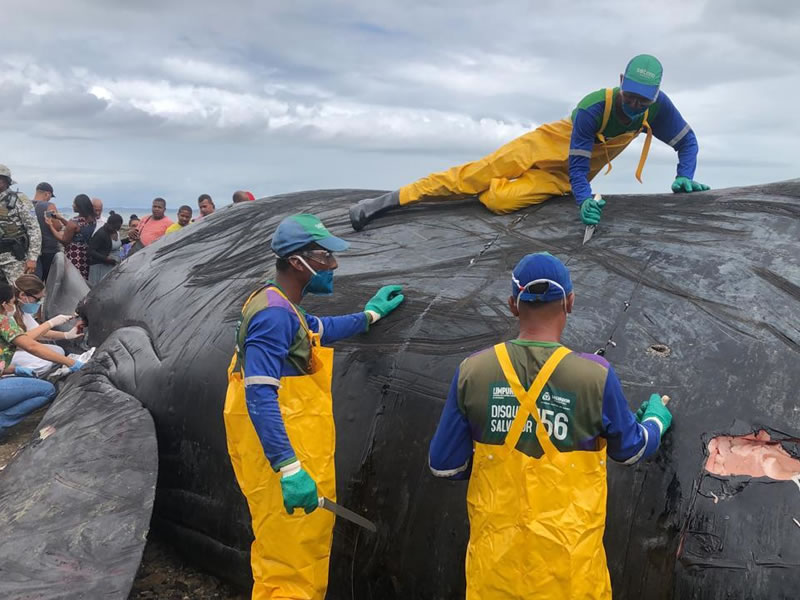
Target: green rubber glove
[[656, 411], [299, 491], [640, 412], [684, 185], [592, 210], [385, 301]]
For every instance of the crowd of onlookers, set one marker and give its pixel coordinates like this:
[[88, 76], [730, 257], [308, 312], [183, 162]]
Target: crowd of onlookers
[[31, 234], [94, 242]]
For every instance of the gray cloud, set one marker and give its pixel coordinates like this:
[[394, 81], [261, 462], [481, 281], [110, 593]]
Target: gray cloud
[[287, 96]]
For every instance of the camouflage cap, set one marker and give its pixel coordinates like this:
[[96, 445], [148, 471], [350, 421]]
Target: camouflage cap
[[6, 172]]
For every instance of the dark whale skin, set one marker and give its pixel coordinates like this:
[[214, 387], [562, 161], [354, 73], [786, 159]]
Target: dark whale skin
[[713, 276]]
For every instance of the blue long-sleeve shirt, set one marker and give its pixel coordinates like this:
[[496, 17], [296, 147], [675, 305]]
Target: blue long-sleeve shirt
[[461, 425], [270, 334], [667, 123]]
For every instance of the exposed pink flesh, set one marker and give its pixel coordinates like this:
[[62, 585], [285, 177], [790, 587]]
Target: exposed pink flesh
[[754, 455]]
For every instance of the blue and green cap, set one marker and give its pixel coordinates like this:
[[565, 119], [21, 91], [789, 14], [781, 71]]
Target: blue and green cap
[[300, 230], [643, 76], [535, 270]]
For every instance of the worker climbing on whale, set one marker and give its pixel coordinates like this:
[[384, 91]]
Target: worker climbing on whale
[[530, 424], [562, 157], [279, 414]]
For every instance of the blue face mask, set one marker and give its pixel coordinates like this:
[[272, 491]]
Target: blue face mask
[[321, 282], [631, 113], [31, 307]]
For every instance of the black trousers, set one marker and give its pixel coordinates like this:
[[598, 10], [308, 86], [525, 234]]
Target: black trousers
[[43, 265]]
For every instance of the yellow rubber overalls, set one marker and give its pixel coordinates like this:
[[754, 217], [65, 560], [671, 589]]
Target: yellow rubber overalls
[[527, 170], [536, 524], [290, 554]]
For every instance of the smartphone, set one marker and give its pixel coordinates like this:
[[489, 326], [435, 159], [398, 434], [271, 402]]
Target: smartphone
[[50, 213]]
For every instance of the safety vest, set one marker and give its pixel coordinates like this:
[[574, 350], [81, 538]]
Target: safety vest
[[11, 225]]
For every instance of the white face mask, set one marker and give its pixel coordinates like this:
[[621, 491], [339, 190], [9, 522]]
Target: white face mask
[[523, 288], [9, 311]]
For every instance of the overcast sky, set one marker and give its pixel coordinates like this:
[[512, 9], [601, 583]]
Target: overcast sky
[[131, 100]]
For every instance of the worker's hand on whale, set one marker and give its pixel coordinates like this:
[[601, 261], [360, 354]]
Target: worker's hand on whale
[[298, 489], [72, 334], [684, 185], [654, 410], [592, 210], [385, 301], [59, 320], [76, 366]]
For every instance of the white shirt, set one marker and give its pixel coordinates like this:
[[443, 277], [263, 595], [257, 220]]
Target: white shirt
[[99, 223]]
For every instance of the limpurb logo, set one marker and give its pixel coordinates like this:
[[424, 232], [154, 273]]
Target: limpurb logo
[[645, 73]]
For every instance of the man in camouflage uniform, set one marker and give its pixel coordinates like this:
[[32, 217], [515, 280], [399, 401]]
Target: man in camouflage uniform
[[20, 236]]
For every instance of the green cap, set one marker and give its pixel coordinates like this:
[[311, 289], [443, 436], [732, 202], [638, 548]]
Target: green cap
[[300, 230], [643, 76]]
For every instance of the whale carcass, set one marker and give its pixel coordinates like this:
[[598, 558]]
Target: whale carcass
[[695, 296]]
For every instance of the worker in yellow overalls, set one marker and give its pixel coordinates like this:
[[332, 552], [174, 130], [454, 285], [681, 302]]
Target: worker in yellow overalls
[[279, 414], [530, 423], [562, 157]]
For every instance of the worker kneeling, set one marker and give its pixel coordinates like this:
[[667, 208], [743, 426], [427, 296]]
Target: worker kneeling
[[279, 410], [529, 422]]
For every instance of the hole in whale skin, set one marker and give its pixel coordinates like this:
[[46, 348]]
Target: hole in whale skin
[[755, 455], [661, 350]]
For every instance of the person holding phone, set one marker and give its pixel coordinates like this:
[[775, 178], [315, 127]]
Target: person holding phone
[[76, 232], [45, 209]]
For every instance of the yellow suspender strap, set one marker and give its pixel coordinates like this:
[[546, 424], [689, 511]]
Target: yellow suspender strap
[[606, 115], [527, 399], [646, 148]]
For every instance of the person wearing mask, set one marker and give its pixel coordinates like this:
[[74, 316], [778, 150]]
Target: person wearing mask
[[104, 249], [283, 366], [184, 218], [29, 293], [153, 226], [133, 224], [206, 206], [76, 232], [563, 157], [44, 207], [20, 392], [20, 237], [530, 424]]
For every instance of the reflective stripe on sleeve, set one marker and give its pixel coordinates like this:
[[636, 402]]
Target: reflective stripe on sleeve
[[261, 380], [636, 457], [680, 135], [448, 472], [579, 152]]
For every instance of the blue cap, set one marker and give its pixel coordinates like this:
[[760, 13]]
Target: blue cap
[[540, 267], [300, 230]]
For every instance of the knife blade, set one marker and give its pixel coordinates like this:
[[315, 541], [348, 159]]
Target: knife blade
[[346, 513], [588, 233]]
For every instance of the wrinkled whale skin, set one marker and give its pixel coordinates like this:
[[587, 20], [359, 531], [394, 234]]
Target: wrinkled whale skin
[[714, 276]]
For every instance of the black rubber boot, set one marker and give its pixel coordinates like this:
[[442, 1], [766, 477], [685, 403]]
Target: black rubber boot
[[363, 212]]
